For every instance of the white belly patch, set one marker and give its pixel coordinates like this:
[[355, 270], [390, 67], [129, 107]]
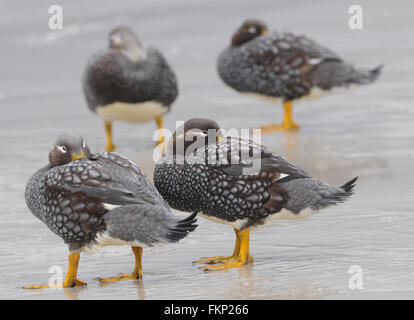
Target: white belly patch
[[315, 93], [131, 112], [288, 215], [235, 224], [281, 215], [264, 97], [285, 215], [103, 239]]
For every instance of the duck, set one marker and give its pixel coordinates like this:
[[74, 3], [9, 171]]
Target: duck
[[96, 200], [237, 182], [281, 66], [128, 82]]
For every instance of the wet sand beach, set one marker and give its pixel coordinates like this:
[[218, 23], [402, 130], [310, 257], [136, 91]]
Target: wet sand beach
[[366, 132]]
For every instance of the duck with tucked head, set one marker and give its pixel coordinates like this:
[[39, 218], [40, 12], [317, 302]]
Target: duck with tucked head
[[127, 82], [237, 182], [284, 66], [96, 200]]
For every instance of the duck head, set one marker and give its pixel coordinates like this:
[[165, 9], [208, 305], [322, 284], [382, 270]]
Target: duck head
[[125, 40], [193, 134], [69, 146], [249, 30]]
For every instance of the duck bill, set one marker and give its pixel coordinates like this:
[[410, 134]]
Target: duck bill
[[220, 136], [76, 157]]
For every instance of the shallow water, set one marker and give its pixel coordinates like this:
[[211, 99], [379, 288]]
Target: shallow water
[[366, 132]]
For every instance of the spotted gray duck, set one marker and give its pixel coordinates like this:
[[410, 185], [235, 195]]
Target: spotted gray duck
[[95, 200], [282, 66], [237, 182]]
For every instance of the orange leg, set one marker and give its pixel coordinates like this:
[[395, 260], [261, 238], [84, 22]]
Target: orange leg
[[220, 259], [241, 255], [108, 129], [161, 139], [135, 274], [70, 280], [288, 123]]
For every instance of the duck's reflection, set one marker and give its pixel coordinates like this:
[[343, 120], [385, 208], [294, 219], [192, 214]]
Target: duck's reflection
[[291, 143], [141, 289], [73, 293], [138, 284]]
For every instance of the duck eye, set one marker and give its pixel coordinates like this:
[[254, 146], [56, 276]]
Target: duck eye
[[252, 29], [62, 149]]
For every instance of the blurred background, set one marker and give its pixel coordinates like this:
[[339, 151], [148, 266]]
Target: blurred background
[[366, 132]]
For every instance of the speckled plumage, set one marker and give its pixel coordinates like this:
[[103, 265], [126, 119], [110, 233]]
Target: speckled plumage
[[111, 76], [229, 188], [72, 200], [287, 66]]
